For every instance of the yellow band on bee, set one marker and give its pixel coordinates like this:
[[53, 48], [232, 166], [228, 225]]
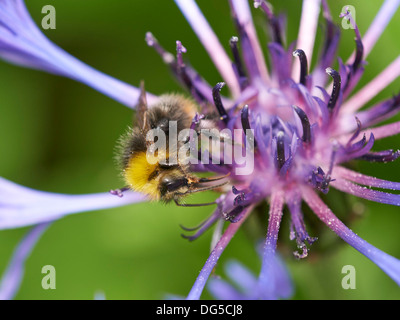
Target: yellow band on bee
[[141, 174]]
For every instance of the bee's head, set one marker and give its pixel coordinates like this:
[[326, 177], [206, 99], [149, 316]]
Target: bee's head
[[173, 184]]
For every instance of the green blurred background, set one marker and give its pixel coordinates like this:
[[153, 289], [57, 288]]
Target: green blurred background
[[59, 135]]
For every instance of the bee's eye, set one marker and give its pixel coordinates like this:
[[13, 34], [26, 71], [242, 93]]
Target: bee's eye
[[170, 184]]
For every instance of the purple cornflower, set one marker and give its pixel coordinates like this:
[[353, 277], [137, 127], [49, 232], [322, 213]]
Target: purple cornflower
[[306, 126]]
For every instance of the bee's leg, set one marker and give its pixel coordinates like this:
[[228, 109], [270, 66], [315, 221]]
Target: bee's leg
[[184, 169]]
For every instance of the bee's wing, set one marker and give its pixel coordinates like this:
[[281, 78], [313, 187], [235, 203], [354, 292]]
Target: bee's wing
[[141, 111]]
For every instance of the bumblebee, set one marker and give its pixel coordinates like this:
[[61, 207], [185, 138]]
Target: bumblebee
[[163, 181]]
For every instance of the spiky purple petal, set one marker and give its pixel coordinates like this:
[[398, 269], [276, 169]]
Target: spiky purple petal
[[205, 272], [389, 264], [21, 206], [12, 277], [22, 43]]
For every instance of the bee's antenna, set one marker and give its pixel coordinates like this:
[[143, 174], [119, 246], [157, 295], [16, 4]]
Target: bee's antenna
[[193, 205], [206, 188], [201, 180], [199, 189]]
